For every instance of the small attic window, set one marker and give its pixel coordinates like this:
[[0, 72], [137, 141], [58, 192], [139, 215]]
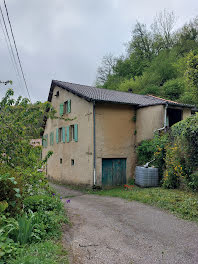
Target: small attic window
[[57, 93]]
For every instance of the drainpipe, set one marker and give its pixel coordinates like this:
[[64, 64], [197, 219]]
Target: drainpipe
[[165, 115], [94, 143]]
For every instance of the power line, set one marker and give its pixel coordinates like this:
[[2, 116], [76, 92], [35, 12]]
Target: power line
[[12, 57], [9, 46], [17, 50]]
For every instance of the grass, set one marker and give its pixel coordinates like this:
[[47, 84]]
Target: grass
[[47, 252], [182, 203]]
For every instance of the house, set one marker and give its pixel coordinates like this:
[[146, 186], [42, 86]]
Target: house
[[36, 142], [96, 143]]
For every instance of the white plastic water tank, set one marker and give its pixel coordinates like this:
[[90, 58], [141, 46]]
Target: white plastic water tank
[[146, 177]]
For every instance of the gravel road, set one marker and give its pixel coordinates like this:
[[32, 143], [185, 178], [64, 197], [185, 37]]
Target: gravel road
[[114, 231]]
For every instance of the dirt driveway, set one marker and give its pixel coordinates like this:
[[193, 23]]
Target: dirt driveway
[[112, 230]]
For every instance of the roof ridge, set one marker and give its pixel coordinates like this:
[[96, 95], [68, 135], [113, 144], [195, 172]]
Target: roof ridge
[[144, 95]]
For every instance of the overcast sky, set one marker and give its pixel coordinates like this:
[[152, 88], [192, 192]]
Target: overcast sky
[[66, 39]]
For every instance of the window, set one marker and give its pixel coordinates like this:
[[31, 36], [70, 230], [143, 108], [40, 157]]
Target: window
[[60, 134], [72, 162], [57, 93], [61, 161], [67, 107], [71, 132]]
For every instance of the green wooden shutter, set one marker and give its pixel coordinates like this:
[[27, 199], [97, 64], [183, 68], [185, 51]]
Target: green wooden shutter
[[51, 138], [46, 139], [57, 135], [43, 141], [63, 134], [68, 137], [69, 106], [76, 133], [61, 109]]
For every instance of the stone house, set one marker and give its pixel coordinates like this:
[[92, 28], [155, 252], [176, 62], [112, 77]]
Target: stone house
[[96, 144]]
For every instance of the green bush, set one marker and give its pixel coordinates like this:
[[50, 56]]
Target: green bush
[[41, 203], [153, 149], [10, 190], [182, 158], [145, 151], [193, 181], [46, 252]]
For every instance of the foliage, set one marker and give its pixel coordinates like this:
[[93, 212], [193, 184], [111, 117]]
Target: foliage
[[145, 151], [41, 203], [175, 154], [192, 71], [173, 89], [159, 60], [23, 232], [154, 149], [20, 122], [47, 252], [182, 203], [22, 184], [8, 248], [10, 191], [182, 155]]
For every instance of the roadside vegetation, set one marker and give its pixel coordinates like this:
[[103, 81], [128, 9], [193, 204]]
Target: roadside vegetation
[[30, 213], [184, 204]]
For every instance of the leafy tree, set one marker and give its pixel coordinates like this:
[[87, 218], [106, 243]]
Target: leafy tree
[[192, 73], [20, 121], [141, 43], [173, 89]]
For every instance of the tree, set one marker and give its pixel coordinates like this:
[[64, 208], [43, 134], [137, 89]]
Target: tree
[[162, 29], [141, 42], [187, 37], [106, 69], [20, 121], [192, 72]]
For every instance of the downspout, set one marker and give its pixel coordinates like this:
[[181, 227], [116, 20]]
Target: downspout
[[165, 115], [94, 144]]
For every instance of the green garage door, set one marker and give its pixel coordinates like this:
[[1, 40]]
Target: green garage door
[[113, 172]]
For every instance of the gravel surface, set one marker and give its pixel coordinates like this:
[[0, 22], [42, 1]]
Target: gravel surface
[[114, 231]]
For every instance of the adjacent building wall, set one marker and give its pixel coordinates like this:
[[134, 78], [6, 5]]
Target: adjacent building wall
[[115, 137], [186, 113], [82, 151], [148, 119]]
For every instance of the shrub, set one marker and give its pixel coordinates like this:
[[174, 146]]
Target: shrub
[[182, 156], [46, 252], [193, 181], [145, 151], [10, 190], [37, 203], [154, 149]]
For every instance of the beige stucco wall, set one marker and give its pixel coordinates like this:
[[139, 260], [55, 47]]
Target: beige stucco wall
[[186, 113], [115, 136], [148, 119], [82, 151]]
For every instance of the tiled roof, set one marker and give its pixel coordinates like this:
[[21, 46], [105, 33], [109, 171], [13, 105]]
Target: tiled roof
[[91, 93]]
